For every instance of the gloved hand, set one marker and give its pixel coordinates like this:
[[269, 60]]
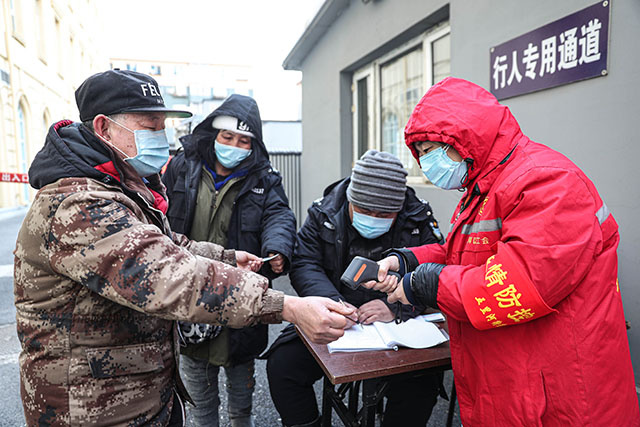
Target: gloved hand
[[421, 286]]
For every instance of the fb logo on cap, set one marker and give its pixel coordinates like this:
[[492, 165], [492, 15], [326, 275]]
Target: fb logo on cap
[[153, 91]]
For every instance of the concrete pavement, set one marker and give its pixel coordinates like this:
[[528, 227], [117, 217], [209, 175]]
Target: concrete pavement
[[10, 403]]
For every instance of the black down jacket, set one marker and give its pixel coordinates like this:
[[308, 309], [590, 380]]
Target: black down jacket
[[261, 221], [327, 242]]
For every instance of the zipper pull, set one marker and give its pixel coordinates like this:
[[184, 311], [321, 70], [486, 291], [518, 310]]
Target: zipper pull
[[467, 201]]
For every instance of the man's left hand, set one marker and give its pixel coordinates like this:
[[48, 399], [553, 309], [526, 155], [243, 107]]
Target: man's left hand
[[277, 264], [374, 311], [398, 295]]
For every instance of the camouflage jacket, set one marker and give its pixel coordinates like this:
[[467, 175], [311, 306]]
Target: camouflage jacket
[[99, 279]]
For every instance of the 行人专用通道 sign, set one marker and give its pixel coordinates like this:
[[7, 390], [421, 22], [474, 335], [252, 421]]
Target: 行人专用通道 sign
[[564, 51]]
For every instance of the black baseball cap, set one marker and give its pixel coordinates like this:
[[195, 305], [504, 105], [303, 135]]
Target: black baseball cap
[[121, 91]]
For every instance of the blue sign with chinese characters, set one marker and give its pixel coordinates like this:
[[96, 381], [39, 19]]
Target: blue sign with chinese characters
[[564, 51]]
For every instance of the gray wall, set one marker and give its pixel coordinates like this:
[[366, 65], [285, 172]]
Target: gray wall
[[593, 122], [326, 81]]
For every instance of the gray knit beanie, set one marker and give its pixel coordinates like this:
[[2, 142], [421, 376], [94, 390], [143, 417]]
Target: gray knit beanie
[[378, 182]]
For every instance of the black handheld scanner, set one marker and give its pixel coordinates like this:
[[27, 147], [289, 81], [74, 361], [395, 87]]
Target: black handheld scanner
[[362, 270]]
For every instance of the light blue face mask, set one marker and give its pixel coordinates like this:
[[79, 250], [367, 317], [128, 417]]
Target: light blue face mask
[[153, 150], [371, 227], [442, 171], [230, 156]]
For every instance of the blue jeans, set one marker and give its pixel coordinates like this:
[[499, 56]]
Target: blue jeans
[[201, 379]]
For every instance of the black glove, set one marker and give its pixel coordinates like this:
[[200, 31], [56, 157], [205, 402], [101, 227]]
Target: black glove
[[422, 286]]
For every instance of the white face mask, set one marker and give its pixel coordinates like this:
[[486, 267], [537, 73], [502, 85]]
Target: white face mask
[[230, 156], [442, 171], [153, 150], [371, 227]]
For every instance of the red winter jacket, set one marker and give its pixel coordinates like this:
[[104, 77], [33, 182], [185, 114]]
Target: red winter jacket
[[530, 289]]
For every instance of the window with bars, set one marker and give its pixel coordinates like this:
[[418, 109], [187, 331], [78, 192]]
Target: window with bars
[[395, 83], [401, 85]]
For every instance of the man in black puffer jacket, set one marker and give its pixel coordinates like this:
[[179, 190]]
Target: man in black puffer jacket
[[222, 189], [363, 215]]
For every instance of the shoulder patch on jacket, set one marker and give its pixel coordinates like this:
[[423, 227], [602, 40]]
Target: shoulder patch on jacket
[[436, 230], [258, 190], [318, 201], [424, 202], [328, 225]]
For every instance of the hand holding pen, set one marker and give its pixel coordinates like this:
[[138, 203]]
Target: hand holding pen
[[353, 319]]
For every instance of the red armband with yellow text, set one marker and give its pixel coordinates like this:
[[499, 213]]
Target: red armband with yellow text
[[502, 294]]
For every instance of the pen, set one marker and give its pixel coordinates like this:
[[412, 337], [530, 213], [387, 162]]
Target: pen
[[353, 320], [269, 258]]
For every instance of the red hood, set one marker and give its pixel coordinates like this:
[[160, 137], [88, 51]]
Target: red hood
[[466, 116]]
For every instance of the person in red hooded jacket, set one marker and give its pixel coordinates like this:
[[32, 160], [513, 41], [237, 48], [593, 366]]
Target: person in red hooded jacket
[[528, 277]]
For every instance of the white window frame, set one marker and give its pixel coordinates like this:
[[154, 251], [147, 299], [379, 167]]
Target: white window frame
[[368, 73], [42, 31], [372, 70], [16, 20]]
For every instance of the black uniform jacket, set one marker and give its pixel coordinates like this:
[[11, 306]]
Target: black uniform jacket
[[327, 242], [261, 221]]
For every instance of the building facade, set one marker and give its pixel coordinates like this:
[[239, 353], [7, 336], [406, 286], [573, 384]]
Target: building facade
[[366, 63], [48, 48]]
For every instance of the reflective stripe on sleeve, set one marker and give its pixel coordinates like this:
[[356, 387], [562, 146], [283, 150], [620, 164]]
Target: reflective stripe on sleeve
[[603, 213], [483, 226]]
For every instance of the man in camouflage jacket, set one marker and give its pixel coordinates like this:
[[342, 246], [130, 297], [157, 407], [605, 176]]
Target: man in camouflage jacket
[[100, 276]]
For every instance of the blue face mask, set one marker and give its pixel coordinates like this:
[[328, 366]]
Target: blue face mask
[[230, 156], [371, 227], [153, 150], [442, 171]]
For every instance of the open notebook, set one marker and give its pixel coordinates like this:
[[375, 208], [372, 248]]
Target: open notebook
[[414, 333]]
